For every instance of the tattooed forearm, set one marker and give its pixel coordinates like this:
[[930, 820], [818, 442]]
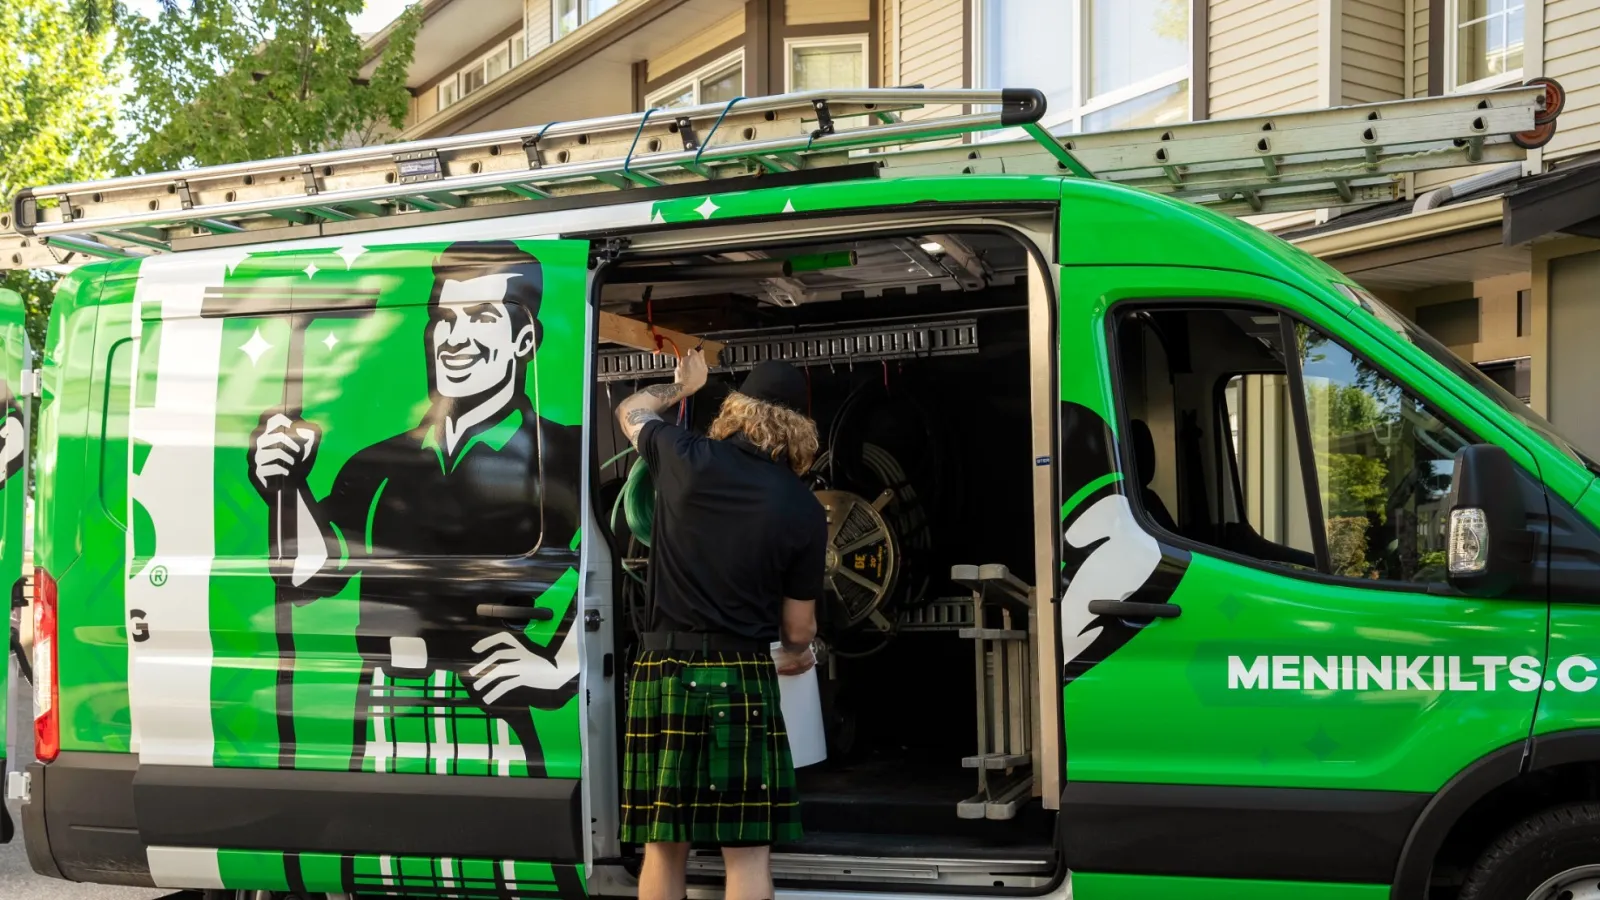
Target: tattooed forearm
[[645, 405]]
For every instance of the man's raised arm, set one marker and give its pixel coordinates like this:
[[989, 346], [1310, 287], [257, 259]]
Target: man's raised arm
[[651, 402], [282, 453]]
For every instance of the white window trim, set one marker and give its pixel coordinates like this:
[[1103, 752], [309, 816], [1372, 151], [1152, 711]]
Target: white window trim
[[507, 47], [1452, 37], [1070, 120], [693, 79], [829, 40], [584, 18]]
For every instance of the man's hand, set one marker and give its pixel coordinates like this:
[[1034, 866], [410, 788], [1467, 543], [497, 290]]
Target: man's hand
[[692, 371], [649, 403], [510, 664], [285, 450], [791, 662]]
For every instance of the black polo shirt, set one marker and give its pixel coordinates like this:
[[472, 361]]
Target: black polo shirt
[[735, 532]]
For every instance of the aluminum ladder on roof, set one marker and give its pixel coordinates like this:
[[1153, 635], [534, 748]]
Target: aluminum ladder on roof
[[1280, 162]]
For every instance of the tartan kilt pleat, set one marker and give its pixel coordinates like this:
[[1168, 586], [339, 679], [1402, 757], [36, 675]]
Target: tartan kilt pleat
[[706, 756]]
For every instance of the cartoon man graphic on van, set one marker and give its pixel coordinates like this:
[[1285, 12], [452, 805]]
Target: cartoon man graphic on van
[[482, 475]]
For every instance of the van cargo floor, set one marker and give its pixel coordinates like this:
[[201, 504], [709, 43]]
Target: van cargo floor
[[909, 802]]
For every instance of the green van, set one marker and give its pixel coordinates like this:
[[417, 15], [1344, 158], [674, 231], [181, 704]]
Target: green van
[[1166, 561]]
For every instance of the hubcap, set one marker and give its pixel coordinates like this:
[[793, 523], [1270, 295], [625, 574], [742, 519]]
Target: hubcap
[[1577, 883]]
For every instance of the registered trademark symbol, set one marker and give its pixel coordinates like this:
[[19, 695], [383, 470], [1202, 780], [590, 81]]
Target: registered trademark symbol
[[158, 576]]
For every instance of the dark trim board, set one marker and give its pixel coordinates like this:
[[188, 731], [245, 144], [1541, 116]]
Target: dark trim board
[[91, 815], [757, 28], [360, 812], [1200, 59], [1436, 14], [1290, 834]]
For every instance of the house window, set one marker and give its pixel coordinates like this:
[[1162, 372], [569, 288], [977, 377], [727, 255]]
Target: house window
[[717, 82], [567, 15], [1103, 64], [471, 78], [833, 62], [1485, 44]]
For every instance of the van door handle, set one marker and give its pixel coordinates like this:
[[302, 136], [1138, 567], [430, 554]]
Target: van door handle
[[1132, 609], [515, 613]]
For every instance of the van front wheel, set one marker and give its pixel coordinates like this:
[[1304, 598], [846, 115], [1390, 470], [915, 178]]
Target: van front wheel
[[1554, 854]]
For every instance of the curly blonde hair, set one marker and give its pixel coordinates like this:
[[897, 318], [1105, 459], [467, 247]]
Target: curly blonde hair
[[771, 428]]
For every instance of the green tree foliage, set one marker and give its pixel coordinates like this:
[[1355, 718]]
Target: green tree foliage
[[218, 81], [1172, 20], [57, 108]]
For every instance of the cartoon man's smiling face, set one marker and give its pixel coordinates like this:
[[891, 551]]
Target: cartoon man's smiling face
[[473, 339]]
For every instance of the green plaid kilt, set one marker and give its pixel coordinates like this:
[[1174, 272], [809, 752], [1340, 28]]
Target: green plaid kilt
[[430, 724], [707, 758]]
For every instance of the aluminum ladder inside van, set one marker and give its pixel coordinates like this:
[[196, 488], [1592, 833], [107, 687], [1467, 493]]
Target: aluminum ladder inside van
[[1262, 164]]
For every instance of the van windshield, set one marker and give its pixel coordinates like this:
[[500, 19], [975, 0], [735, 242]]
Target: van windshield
[[1471, 374]]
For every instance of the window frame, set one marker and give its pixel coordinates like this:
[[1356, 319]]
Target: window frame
[[1123, 450], [693, 79], [1452, 49], [790, 45], [481, 64], [1069, 119], [584, 17]]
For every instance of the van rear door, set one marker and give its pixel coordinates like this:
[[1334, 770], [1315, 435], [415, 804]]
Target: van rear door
[[353, 515], [14, 363]]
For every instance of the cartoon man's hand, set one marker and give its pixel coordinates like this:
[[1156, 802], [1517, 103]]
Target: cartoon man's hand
[[510, 664], [13, 441], [283, 452]]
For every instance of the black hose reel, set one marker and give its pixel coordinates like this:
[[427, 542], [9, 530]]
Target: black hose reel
[[879, 535]]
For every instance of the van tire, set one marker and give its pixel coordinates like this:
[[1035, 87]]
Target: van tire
[[1534, 850]]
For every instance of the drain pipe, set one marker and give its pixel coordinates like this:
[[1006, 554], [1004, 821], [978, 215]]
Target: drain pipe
[[1442, 195]]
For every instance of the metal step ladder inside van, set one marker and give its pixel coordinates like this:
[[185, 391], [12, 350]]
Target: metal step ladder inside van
[[1003, 609], [1262, 164]]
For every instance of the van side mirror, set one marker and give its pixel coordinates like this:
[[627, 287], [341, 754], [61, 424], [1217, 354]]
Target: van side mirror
[[1490, 544]]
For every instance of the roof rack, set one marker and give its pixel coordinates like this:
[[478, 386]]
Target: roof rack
[[1322, 158]]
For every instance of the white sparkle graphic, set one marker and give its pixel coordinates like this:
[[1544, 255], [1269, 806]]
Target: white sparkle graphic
[[788, 206], [349, 254], [312, 270], [256, 346], [656, 218], [706, 209], [238, 255], [330, 340]]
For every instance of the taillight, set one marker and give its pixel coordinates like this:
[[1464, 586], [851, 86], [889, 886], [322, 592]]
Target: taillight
[[46, 680]]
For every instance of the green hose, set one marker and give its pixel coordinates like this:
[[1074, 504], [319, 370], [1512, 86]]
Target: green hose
[[637, 499]]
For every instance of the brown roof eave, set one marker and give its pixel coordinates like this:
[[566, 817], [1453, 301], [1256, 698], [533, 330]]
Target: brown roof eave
[[380, 41], [622, 20]]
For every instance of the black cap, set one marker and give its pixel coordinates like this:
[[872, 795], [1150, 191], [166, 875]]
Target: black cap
[[777, 383]]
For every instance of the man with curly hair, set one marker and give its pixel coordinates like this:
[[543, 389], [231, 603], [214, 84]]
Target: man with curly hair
[[738, 555]]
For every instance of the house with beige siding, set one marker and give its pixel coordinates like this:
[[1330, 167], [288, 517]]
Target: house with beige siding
[[1500, 262]]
